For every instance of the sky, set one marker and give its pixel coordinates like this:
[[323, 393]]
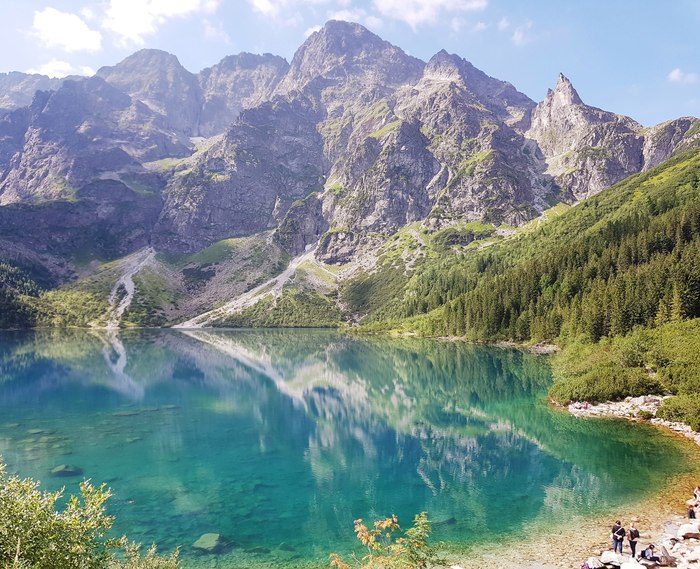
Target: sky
[[640, 58]]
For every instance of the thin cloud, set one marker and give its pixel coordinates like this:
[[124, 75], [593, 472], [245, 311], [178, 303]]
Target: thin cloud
[[520, 36], [65, 31], [133, 20], [59, 69], [216, 32], [503, 24], [357, 15], [311, 30], [479, 27], [677, 75], [420, 12]]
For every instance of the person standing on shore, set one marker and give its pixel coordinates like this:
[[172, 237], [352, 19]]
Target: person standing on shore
[[632, 537], [618, 535]]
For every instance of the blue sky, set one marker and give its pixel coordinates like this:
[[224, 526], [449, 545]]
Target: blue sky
[[636, 57]]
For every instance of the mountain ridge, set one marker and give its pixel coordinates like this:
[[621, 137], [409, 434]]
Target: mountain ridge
[[346, 147]]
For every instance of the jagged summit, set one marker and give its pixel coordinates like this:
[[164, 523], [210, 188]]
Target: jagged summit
[[341, 50], [563, 94]]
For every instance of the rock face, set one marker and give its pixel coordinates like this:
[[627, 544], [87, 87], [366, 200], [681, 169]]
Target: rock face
[[237, 82], [17, 89], [157, 79], [245, 183], [343, 147], [587, 149]]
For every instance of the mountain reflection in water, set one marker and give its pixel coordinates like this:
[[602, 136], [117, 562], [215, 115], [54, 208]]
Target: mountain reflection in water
[[279, 439]]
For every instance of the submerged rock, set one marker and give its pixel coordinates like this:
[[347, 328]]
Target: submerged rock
[[210, 543], [66, 470]]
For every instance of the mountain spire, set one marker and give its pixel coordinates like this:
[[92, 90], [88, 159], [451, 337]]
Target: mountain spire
[[564, 92]]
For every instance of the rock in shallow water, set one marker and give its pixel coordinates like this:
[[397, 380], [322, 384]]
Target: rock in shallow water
[[65, 470], [210, 543]]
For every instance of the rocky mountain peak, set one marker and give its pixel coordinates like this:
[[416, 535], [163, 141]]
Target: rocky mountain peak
[[443, 65], [157, 79], [341, 50], [564, 94]]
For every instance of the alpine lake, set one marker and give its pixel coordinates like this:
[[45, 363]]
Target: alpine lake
[[279, 439]]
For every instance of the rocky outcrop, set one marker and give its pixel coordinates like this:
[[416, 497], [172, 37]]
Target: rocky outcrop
[[237, 82], [302, 225], [586, 149], [271, 157]]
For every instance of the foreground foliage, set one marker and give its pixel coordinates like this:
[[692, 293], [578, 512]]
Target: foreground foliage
[[386, 551], [34, 533]]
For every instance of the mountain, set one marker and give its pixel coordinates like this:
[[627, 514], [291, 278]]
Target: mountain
[[587, 149], [347, 163], [17, 89]]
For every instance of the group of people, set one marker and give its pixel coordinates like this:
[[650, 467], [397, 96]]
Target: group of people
[[618, 537], [619, 534]]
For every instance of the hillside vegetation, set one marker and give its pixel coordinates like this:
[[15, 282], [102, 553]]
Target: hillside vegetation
[[613, 280]]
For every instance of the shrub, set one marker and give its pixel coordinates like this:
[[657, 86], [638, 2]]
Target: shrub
[[33, 533], [682, 408], [384, 551]]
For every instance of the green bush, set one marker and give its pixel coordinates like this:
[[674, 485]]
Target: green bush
[[682, 408], [33, 533]]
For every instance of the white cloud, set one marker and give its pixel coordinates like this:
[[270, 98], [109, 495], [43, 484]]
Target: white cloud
[[65, 31], [358, 15], [418, 12], [479, 27], [58, 68], [679, 76], [267, 7], [134, 20], [503, 24], [311, 30], [216, 32], [520, 36]]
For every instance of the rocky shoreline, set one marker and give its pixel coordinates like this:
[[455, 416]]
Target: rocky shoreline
[[634, 408]]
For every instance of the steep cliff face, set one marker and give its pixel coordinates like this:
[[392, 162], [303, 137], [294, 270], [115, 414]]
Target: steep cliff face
[[17, 89], [246, 182], [84, 132], [586, 149], [237, 82], [664, 140]]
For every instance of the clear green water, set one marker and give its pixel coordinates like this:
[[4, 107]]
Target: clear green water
[[280, 439]]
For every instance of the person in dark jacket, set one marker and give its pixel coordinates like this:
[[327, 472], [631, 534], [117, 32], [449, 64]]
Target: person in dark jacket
[[632, 537], [618, 535]]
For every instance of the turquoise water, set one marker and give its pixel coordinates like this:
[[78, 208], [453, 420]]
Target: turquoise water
[[278, 440]]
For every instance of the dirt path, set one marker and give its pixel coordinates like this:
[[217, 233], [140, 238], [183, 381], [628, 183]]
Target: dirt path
[[133, 265], [270, 287]]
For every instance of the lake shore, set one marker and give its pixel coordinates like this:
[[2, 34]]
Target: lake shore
[[581, 538]]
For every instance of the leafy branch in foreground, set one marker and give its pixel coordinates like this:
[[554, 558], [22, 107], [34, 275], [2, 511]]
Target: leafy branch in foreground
[[33, 533], [385, 551]]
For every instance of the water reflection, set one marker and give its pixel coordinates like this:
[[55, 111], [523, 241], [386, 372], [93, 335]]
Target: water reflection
[[284, 437]]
